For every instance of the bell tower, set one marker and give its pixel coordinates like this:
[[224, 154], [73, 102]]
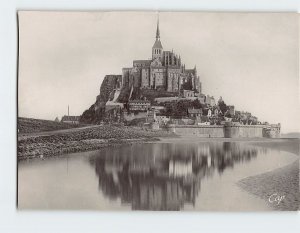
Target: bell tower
[[157, 49]]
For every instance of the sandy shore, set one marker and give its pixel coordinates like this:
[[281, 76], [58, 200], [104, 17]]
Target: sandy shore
[[280, 182]]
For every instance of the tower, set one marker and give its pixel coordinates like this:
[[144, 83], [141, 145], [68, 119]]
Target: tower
[[157, 49]]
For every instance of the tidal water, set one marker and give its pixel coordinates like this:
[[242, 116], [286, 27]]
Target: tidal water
[[178, 175]]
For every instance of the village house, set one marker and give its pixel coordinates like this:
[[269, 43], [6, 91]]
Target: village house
[[139, 105], [162, 120], [194, 112], [70, 119], [209, 113], [216, 112]]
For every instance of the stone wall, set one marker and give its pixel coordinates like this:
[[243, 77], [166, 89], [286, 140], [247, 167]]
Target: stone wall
[[244, 131], [272, 132], [214, 131], [227, 131]]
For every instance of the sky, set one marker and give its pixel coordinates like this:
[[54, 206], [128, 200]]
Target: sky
[[250, 59]]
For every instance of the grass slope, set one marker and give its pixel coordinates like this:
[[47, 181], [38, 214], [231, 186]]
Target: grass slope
[[30, 125]]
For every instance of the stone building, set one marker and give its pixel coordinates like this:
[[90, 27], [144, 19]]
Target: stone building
[[164, 71], [194, 112], [231, 110], [188, 93], [139, 105], [70, 119]]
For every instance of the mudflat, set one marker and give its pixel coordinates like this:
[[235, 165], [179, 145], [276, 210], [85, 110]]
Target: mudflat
[[280, 187]]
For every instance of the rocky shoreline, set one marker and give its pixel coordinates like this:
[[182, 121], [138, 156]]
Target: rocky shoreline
[[84, 139]]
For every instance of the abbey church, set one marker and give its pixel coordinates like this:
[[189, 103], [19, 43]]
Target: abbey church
[[164, 71]]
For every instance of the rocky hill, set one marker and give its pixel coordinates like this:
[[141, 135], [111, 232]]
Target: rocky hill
[[97, 111]]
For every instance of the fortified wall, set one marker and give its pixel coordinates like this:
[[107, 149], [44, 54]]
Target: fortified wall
[[206, 131], [227, 131]]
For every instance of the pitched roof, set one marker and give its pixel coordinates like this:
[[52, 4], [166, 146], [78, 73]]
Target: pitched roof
[[70, 118], [157, 44]]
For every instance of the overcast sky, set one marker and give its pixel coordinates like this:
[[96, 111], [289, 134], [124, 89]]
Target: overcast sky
[[250, 59]]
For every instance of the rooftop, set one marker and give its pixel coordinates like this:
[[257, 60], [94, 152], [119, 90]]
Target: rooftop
[[142, 61], [195, 110], [70, 118], [157, 44]]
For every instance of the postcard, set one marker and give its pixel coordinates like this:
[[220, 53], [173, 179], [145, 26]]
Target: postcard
[[158, 111]]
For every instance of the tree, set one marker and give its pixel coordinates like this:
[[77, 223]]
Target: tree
[[196, 104], [222, 106]]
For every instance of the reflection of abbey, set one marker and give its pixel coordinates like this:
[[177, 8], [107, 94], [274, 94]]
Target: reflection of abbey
[[164, 176], [164, 71]]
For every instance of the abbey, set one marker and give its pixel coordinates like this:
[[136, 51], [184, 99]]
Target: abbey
[[164, 71]]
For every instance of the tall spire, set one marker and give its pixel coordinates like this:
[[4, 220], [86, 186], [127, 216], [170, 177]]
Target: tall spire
[[157, 29], [157, 49]]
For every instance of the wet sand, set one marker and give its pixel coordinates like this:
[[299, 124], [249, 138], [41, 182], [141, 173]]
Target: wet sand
[[280, 183]]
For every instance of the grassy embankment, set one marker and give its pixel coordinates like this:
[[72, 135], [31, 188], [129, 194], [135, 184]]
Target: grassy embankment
[[30, 125], [59, 142]]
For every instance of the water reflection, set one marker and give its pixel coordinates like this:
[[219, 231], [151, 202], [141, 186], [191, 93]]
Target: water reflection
[[164, 176]]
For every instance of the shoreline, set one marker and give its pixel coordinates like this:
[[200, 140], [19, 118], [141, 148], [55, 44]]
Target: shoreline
[[56, 143], [282, 182], [75, 140]]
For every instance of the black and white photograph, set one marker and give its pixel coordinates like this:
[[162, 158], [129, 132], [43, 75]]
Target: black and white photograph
[[158, 111]]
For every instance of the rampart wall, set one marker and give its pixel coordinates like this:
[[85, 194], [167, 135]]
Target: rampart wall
[[226, 131]]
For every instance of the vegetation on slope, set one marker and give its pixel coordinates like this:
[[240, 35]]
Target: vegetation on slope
[[30, 125]]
